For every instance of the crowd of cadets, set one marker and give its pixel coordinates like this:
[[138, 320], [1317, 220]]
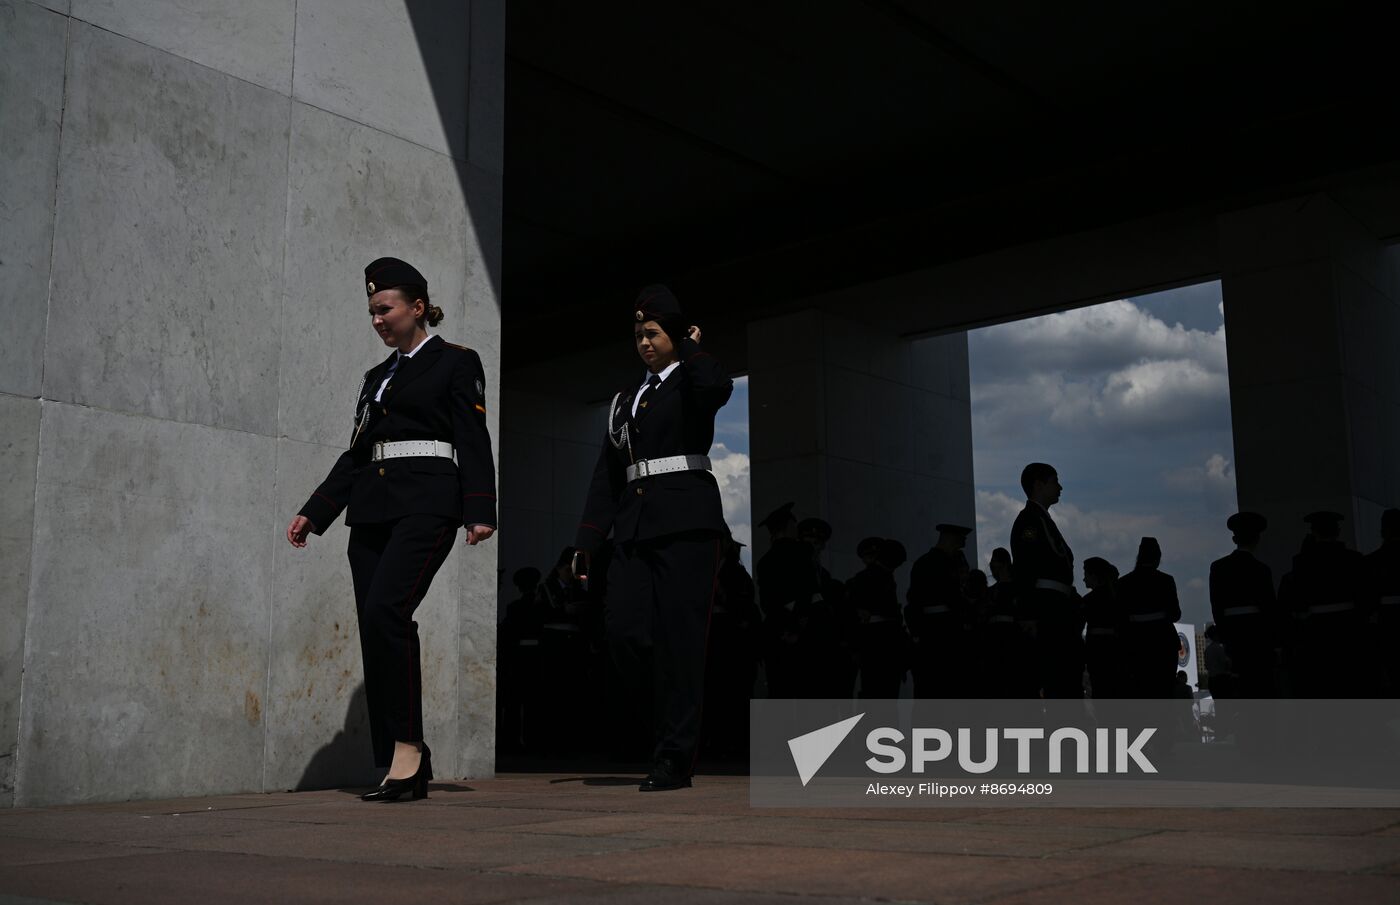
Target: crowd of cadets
[[1329, 628]]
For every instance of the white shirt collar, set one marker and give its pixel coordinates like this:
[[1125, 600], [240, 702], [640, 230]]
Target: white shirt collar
[[417, 347], [666, 372]]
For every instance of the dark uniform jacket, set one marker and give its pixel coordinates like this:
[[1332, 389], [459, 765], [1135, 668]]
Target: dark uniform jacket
[[1242, 601], [934, 584], [679, 419], [1039, 553], [438, 394], [1150, 609]]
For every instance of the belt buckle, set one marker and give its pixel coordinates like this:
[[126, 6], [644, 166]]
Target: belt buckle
[[642, 470], [377, 451]]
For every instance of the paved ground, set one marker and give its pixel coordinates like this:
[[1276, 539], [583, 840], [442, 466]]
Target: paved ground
[[556, 838]]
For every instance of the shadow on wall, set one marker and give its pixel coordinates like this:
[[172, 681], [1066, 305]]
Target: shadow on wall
[[444, 38], [347, 759]]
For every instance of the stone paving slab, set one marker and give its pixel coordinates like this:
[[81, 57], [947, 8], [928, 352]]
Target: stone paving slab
[[537, 838]]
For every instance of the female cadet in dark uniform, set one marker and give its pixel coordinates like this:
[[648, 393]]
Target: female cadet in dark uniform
[[418, 467], [652, 488]]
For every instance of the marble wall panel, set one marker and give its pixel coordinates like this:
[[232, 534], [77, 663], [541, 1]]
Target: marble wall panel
[[168, 238], [317, 725], [32, 46], [148, 622], [409, 81], [251, 39], [356, 194], [19, 451]]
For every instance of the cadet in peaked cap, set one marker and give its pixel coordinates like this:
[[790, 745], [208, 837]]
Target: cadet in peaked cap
[[1245, 609], [419, 467]]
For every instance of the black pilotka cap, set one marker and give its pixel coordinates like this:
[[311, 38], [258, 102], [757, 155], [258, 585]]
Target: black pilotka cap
[[1149, 548], [388, 273], [959, 530], [658, 303]]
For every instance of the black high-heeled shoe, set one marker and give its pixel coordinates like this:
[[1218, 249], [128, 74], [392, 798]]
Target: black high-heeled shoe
[[415, 786]]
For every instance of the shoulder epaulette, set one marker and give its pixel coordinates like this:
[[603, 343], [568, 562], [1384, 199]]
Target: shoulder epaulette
[[455, 346]]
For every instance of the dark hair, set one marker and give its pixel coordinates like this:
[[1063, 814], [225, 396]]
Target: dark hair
[[1097, 565], [1034, 473], [1001, 554], [412, 293]]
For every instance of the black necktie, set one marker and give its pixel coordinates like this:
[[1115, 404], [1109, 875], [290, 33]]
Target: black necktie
[[653, 382]]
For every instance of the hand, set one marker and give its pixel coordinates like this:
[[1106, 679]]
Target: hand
[[298, 529], [478, 533], [581, 558], [694, 334]]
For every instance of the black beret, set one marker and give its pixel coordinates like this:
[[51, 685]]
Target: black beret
[[387, 273], [656, 303], [1247, 523], [778, 517], [959, 530], [814, 527]]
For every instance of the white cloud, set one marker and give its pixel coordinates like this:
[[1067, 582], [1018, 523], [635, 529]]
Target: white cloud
[[1109, 369], [731, 470]]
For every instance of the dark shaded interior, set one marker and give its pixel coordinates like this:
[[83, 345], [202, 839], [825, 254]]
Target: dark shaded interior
[[752, 154]]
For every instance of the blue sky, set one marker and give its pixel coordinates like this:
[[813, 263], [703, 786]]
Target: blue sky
[[1129, 400]]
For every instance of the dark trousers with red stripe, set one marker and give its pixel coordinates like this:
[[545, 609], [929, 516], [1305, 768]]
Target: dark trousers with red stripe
[[392, 564], [657, 618]]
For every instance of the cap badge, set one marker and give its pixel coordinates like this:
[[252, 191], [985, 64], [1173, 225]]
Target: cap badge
[[640, 316], [480, 388], [370, 287]]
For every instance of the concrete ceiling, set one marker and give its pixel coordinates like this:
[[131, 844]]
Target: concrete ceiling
[[753, 153]]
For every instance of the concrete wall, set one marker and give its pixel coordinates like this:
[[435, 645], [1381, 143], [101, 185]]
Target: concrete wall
[[1312, 313], [863, 428], [190, 193]]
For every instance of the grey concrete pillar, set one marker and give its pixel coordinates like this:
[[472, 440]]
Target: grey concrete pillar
[[1312, 314], [865, 429], [189, 194]]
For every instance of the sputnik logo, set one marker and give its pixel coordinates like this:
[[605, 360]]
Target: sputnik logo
[[811, 751]]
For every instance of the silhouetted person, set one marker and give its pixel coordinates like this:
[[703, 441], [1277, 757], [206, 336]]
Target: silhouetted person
[[518, 663], [936, 616], [732, 657], [1104, 653], [1326, 592], [883, 641], [825, 642], [787, 580], [1246, 614], [1219, 670], [1005, 667], [1151, 609], [1044, 569], [565, 650], [1383, 576]]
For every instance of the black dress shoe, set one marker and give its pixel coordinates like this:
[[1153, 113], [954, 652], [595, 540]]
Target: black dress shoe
[[664, 776], [415, 786]]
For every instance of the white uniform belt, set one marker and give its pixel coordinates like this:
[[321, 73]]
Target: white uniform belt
[[1051, 585], [1331, 608], [1241, 611], [404, 449], [645, 468], [939, 608], [562, 627], [1393, 600], [1147, 617]]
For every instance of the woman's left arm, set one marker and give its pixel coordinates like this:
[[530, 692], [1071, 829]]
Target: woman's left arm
[[476, 469], [709, 387]]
